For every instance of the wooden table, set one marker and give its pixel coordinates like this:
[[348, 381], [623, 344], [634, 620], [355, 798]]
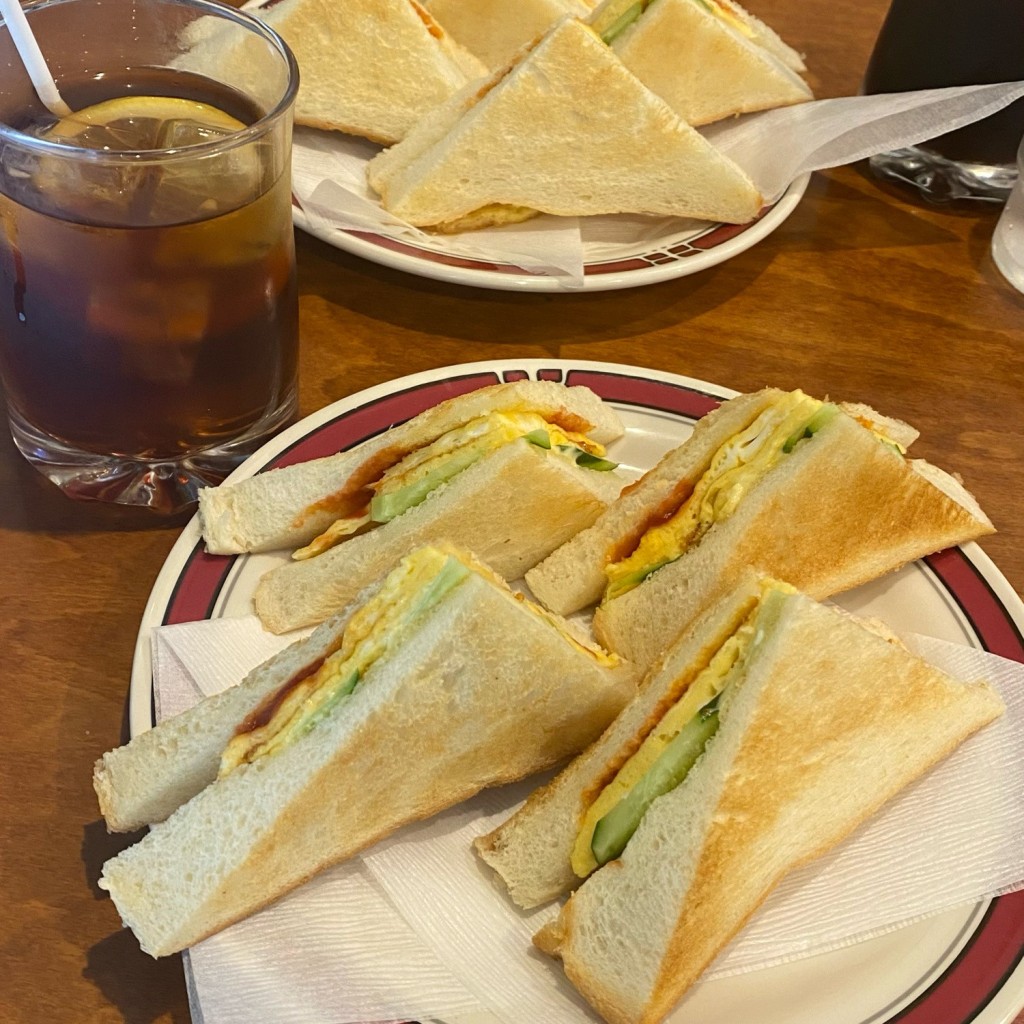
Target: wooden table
[[862, 294]]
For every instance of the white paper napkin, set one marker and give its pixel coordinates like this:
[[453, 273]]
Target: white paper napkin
[[329, 179], [416, 927], [777, 146], [774, 147]]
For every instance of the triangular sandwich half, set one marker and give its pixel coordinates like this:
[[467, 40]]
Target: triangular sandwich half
[[368, 67], [815, 493], [508, 471], [565, 130], [708, 59], [763, 739], [439, 684]]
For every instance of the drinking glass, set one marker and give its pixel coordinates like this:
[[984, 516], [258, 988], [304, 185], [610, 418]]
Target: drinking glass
[[925, 44], [148, 303], [1008, 237]]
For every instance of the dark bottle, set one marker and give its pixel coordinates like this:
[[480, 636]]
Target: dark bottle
[[928, 44]]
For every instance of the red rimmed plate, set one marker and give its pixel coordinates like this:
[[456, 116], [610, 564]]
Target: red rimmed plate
[[677, 253], [960, 966]]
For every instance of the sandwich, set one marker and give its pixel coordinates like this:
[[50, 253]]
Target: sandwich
[[565, 130], [815, 493], [707, 59], [764, 737], [509, 472], [495, 30], [441, 682], [368, 67]]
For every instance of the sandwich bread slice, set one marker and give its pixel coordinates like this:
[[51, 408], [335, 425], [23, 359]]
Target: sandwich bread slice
[[812, 492], [566, 130], [439, 684], [509, 472], [708, 59], [496, 30], [765, 737], [368, 67]]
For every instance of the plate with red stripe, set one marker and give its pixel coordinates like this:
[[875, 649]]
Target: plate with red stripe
[[963, 965], [681, 248]]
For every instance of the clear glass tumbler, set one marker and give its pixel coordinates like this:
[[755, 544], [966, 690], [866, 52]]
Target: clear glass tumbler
[[1008, 237], [148, 305], [925, 44]]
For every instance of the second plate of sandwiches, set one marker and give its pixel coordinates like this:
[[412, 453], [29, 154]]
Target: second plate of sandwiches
[[491, 113]]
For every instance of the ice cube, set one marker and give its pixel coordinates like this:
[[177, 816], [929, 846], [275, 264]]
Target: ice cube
[[126, 133], [122, 133], [139, 193], [177, 133], [95, 193], [209, 184], [92, 191]]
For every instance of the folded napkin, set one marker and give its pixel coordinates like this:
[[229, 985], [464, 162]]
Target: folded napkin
[[774, 147], [415, 928]]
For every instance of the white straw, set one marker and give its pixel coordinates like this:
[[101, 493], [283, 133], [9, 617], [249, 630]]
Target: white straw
[[32, 57]]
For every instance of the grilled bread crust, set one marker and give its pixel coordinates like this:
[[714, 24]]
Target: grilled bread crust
[[289, 507], [369, 67], [841, 509], [457, 707], [830, 722]]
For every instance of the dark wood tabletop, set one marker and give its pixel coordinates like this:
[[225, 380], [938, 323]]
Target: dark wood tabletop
[[863, 293]]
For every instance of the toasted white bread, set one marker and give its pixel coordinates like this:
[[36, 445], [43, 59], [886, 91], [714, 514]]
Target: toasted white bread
[[368, 67], [146, 780], [512, 507], [841, 509], [705, 65], [496, 30], [572, 577], [825, 721], [531, 851], [565, 130], [478, 689], [765, 36], [286, 508]]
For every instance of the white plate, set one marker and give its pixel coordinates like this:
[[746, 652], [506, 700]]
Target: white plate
[[678, 253], [961, 966]]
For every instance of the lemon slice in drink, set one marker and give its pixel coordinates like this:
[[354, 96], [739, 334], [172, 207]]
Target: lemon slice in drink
[[140, 193], [140, 122]]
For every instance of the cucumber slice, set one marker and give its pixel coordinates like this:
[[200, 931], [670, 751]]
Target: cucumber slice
[[621, 23], [391, 504], [331, 703], [449, 576], [586, 460], [616, 828], [811, 427], [634, 579], [540, 438], [595, 462]]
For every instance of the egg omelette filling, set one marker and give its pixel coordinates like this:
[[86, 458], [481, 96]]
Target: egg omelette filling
[[408, 482], [734, 469], [410, 591], [613, 25], [675, 742]]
